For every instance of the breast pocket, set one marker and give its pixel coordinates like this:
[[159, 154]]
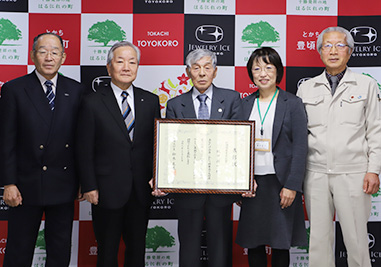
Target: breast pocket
[[352, 109], [315, 110]]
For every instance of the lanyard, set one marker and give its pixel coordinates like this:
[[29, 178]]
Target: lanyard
[[268, 107]]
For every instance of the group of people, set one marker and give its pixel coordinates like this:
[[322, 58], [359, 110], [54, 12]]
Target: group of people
[[58, 144]]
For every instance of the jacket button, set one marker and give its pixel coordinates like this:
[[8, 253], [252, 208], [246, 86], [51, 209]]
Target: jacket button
[[41, 147], [44, 168]]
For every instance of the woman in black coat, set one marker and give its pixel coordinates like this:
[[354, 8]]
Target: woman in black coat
[[275, 215]]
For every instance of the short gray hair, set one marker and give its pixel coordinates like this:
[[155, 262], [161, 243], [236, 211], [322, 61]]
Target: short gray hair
[[110, 54], [35, 40], [348, 38], [197, 54]]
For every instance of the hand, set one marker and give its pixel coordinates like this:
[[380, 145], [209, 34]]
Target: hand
[[371, 183], [92, 196], [12, 196], [287, 196], [251, 194], [80, 196], [156, 192]]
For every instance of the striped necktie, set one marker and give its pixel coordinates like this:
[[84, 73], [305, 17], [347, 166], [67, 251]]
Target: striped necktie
[[50, 94], [127, 115]]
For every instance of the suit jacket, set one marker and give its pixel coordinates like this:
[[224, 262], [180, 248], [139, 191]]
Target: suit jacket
[[107, 159], [36, 144], [226, 105], [289, 138]]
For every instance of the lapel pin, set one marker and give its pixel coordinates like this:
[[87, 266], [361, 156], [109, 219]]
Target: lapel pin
[[220, 110], [66, 94], [142, 100]]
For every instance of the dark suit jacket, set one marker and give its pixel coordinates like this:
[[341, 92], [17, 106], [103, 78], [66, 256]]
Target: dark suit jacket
[[289, 141], [226, 105], [107, 159], [36, 144]]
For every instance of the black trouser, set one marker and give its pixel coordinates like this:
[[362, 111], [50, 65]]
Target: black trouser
[[129, 222], [23, 228], [258, 258]]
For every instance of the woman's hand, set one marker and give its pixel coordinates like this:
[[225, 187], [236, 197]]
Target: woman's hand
[[287, 196]]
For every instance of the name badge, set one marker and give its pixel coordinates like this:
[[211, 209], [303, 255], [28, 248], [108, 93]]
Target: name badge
[[262, 144]]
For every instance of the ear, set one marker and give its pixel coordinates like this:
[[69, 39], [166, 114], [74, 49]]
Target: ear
[[32, 56], [187, 71], [108, 69], [215, 72], [63, 58]]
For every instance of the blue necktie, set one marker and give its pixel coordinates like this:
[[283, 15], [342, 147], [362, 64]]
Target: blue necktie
[[127, 115], [50, 94], [203, 112]]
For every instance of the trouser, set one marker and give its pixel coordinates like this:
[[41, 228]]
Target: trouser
[[343, 193]]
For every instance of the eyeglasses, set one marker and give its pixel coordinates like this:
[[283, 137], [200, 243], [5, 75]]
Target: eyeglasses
[[54, 53], [339, 46], [267, 69]]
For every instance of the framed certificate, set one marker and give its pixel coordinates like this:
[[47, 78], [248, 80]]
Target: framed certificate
[[204, 156]]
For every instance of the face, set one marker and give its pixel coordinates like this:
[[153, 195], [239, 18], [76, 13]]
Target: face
[[123, 68], [202, 74], [48, 56], [335, 60], [264, 75]]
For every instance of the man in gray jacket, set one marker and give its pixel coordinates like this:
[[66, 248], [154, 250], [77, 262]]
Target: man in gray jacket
[[344, 158], [204, 101]]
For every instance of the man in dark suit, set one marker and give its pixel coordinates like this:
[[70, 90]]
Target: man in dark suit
[[222, 104], [38, 116], [115, 155]]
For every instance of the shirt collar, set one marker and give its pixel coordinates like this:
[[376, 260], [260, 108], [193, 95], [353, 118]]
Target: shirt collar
[[208, 92], [43, 79], [118, 91], [339, 76]]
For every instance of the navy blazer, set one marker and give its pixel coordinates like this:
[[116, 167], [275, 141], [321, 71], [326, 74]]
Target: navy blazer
[[107, 159], [289, 138], [226, 105], [37, 145]]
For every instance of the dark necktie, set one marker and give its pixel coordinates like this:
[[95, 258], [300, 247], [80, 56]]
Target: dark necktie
[[127, 115], [335, 82], [50, 94], [203, 112]]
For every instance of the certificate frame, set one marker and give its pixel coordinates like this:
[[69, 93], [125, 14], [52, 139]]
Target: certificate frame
[[204, 156]]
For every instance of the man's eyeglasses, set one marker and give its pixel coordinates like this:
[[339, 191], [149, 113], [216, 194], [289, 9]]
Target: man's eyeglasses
[[54, 53], [339, 46]]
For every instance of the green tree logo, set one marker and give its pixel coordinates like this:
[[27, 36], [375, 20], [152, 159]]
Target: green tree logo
[[40, 242], [378, 193], [157, 237], [106, 31], [8, 31], [258, 33]]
